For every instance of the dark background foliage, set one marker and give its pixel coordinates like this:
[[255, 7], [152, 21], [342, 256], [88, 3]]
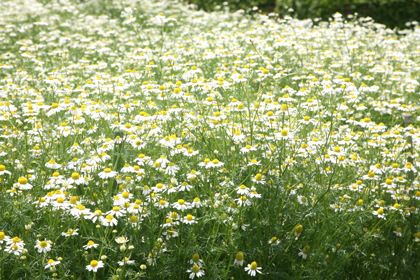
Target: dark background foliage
[[392, 13]]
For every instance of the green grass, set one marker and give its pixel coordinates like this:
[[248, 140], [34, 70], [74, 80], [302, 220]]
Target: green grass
[[307, 118]]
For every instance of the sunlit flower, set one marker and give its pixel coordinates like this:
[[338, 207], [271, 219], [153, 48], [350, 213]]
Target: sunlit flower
[[109, 220], [95, 265], [43, 246], [181, 205], [52, 164], [107, 173], [23, 184], [121, 240], [90, 244], [189, 219], [52, 263], [70, 232]]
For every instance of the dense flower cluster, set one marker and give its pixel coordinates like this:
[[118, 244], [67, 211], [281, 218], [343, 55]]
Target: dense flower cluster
[[154, 131]]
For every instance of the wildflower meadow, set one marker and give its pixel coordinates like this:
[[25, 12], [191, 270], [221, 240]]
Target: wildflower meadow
[[150, 140]]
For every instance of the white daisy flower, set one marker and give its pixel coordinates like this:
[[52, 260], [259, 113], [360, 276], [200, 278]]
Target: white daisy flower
[[51, 263], [109, 220], [239, 260], [107, 173], [189, 219], [90, 244], [253, 269], [23, 184], [196, 271], [304, 252], [126, 261], [121, 240], [43, 246], [181, 205], [94, 265], [70, 232]]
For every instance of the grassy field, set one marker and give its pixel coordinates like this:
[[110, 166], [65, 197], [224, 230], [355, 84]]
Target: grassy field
[[149, 140]]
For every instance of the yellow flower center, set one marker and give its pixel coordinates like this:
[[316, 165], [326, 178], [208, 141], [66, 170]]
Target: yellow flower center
[[195, 269], [80, 207], [22, 180], [240, 256]]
